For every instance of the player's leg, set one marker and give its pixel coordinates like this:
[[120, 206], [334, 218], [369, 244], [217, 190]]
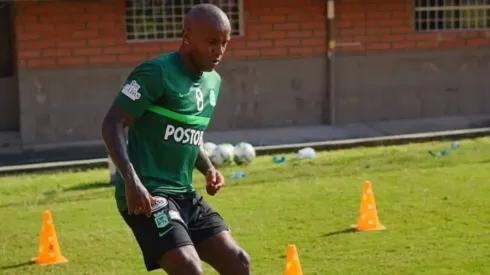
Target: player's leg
[[214, 243], [181, 261], [224, 254], [164, 240]]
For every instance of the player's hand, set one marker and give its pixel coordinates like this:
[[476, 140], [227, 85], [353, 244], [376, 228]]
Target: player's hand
[[214, 181], [138, 199]]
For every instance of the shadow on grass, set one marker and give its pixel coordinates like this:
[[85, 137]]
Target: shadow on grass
[[336, 170], [88, 186], [267, 179], [13, 266], [56, 196], [338, 232]]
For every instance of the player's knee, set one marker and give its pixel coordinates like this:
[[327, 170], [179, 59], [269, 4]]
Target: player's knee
[[243, 260], [192, 266], [187, 266], [186, 263]]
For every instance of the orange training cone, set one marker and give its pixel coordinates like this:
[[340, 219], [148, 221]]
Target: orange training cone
[[49, 249], [368, 215], [293, 267]]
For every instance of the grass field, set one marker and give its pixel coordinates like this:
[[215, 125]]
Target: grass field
[[436, 210]]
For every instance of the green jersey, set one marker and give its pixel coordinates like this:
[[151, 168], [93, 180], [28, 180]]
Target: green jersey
[[172, 107]]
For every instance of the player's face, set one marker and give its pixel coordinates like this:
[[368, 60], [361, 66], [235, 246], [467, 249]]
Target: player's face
[[209, 46]]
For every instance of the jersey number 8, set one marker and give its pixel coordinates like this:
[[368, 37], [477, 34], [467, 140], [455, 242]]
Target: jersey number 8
[[199, 100]]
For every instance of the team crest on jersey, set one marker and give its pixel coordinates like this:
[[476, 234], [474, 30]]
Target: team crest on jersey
[[212, 97], [131, 90]]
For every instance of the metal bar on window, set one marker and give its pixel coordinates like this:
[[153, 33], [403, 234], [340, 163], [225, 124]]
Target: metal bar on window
[[443, 15], [151, 20]]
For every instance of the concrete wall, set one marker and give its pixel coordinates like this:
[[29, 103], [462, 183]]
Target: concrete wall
[[412, 85], [65, 105], [9, 104], [268, 93], [255, 94]]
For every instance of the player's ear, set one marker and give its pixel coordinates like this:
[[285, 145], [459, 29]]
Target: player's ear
[[186, 36]]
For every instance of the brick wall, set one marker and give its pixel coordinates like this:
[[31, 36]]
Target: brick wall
[[70, 33], [386, 25], [84, 33]]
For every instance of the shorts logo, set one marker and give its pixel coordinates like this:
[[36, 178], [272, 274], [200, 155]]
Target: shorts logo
[[159, 213], [161, 219], [131, 90], [158, 204], [174, 215]]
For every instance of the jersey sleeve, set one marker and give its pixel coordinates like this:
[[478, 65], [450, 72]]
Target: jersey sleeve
[[142, 87]]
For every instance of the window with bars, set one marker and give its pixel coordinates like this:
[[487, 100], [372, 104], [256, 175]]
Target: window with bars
[[446, 15], [152, 20]]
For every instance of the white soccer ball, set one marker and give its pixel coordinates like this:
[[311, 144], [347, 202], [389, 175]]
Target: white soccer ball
[[244, 153], [222, 155], [209, 148]]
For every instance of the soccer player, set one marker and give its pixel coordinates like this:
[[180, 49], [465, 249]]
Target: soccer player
[[167, 103]]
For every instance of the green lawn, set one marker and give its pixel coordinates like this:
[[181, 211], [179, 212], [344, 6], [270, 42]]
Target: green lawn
[[436, 210]]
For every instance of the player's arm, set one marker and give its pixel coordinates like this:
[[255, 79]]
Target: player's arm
[[114, 137], [141, 89], [203, 163], [214, 179]]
